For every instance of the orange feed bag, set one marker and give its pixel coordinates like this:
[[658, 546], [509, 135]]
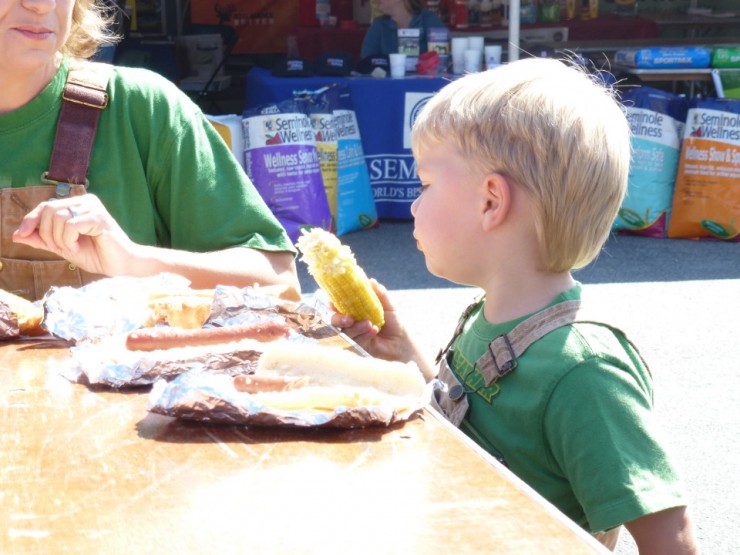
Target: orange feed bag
[[706, 199]]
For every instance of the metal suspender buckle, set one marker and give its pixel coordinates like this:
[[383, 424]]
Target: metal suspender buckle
[[510, 364], [62, 188], [84, 95]]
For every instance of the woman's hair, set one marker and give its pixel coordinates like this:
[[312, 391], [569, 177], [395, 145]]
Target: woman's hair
[[555, 132], [91, 28], [414, 6]]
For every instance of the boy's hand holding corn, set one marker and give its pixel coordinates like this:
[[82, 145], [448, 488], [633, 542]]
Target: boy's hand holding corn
[[360, 302]]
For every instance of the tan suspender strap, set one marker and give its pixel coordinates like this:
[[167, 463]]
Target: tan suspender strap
[[84, 97], [503, 351]]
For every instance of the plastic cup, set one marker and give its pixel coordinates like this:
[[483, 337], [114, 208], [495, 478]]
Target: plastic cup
[[398, 65], [472, 61], [457, 51], [476, 43], [492, 56]]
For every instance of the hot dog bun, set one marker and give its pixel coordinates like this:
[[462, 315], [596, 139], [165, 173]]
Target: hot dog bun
[[29, 315], [330, 398], [337, 377], [191, 308], [188, 310]]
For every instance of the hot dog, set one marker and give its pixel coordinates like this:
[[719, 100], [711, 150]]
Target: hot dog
[[265, 384], [152, 339], [334, 377]]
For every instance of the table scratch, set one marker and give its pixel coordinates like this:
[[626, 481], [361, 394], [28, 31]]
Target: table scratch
[[226, 449], [245, 442], [36, 534]]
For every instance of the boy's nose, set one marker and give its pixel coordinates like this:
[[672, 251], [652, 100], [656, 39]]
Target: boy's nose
[[414, 205]]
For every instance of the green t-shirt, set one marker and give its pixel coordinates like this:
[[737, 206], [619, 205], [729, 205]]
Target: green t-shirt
[[574, 420], [158, 166]]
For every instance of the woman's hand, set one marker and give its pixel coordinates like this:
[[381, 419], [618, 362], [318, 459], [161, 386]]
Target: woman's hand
[[81, 230]]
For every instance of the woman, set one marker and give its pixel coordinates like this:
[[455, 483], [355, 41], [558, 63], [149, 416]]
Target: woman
[[382, 37], [165, 194]]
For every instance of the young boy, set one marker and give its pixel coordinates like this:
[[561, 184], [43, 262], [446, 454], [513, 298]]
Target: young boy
[[523, 169]]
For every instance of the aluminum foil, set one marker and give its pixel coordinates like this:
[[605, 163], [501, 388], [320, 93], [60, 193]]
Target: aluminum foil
[[110, 363], [106, 307], [208, 397], [99, 354], [8, 323]]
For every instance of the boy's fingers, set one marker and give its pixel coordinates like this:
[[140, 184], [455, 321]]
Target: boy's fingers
[[382, 294], [341, 320]]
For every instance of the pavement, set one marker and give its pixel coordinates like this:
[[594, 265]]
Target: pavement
[[678, 299]]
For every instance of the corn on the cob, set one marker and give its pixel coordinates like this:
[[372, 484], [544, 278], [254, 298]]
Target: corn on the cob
[[334, 268]]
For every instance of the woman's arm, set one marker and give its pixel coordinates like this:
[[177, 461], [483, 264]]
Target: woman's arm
[[81, 230], [238, 266]]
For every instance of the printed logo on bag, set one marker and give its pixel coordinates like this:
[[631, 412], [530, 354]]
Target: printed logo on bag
[[653, 125], [323, 126], [714, 124], [345, 124], [272, 138], [278, 130]]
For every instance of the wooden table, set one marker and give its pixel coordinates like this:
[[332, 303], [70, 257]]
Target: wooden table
[[89, 470]]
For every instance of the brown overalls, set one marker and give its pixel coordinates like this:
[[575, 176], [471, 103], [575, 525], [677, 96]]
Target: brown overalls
[[30, 272], [499, 360]]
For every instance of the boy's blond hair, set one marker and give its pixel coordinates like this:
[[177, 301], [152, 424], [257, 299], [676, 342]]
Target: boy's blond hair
[[555, 132], [90, 29]]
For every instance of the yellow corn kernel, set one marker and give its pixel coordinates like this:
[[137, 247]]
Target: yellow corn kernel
[[334, 268]]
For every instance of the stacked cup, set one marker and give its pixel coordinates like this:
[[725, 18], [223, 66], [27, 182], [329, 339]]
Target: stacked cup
[[492, 56], [473, 54], [458, 48]]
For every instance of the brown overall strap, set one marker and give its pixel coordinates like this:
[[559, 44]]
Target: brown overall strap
[[503, 351], [459, 328], [84, 97]]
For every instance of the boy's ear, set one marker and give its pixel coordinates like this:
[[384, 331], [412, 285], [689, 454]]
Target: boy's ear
[[497, 200]]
